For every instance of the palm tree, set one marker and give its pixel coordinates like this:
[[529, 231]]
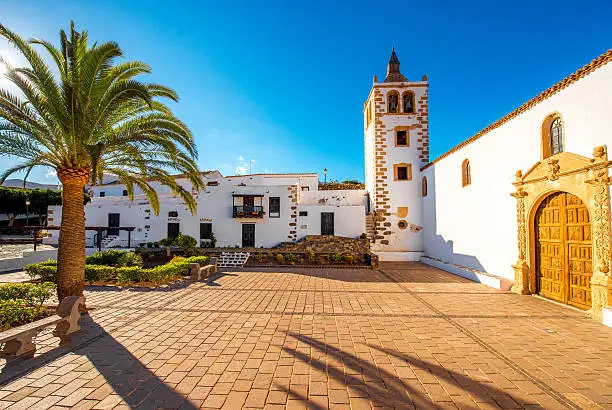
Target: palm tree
[[92, 118]]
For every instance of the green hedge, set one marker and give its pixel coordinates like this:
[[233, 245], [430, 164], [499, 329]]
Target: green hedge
[[128, 274], [110, 257], [21, 303]]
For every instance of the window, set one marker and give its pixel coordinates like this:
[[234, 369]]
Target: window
[[401, 138], [408, 102], [172, 214], [303, 213], [552, 135], [212, 183], [466, 172], [125, 192], [393, 102], [556, 136], [205, 230], [102, 194], [402, 172], [305, 188], [274, 206], [424, 186]]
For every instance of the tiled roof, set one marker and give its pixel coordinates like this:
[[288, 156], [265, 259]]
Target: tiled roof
[[600, 61]]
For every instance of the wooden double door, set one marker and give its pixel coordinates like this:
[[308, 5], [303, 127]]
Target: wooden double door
[[564, 252]]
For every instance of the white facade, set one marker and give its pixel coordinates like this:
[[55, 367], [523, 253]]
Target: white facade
[[475, 226], [297, 194]]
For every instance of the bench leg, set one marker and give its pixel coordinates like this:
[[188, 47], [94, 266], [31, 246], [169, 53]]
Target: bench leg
[[22, 345]]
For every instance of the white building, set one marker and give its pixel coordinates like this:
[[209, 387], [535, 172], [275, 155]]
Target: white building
[[241, 211], [526, 200]]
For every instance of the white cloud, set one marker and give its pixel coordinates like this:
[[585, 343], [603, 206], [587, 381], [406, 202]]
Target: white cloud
[[51, 173], [240, 158], [244, 166], [241, 170]]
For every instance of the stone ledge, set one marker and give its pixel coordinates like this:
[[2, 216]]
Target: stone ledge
[[485, 278]]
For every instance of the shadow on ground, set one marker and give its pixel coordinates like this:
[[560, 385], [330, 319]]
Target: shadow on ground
[[129, 378]]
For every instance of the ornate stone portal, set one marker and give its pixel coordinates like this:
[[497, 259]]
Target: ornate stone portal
[[589, 180]]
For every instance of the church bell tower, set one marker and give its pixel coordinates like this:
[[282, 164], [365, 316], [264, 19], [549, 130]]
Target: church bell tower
[[396, 147]]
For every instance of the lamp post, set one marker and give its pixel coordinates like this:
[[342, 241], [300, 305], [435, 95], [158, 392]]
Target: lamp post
[[27, 211], [324, 175]]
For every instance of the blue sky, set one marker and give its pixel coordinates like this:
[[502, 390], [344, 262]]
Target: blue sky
[[279, 86]]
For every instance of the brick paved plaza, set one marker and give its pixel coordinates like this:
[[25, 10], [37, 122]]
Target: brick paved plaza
[[407, 336]]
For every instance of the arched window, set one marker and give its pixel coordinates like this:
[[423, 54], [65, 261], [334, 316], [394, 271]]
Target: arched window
[[393, 102], [552, 135], [466, 172], [556, 136], [424, 186], [408, 102], [125, 193]]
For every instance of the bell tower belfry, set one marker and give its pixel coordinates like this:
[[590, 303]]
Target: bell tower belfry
[[396, 142]]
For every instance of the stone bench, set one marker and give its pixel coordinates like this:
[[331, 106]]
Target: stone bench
[[197, 272], [20, 340]]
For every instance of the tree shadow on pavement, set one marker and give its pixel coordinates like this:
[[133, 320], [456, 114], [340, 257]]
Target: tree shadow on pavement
[[384, 388], [129, 378]]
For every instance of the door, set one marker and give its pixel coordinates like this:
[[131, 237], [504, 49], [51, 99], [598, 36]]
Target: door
[[248, 235], [113, 224], [564, 250], [173, 229], [327, 223]]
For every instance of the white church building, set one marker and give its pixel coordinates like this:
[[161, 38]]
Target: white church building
[[525, 201]]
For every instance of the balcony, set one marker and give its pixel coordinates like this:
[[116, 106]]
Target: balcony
[[246, 211]]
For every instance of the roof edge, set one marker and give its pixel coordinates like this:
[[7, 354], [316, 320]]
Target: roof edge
[[600, 61]]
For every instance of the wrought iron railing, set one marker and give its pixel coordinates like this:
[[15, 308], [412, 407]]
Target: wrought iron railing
[[254, 211]]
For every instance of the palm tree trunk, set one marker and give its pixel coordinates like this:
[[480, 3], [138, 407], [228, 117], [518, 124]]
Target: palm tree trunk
[[71, 250]]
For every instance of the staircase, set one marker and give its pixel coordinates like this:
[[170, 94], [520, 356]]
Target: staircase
[[111, 241], [371, 227], [232, 259]]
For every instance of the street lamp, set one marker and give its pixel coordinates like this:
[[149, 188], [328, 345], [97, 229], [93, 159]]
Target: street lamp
[[27, 211], [324, 175]]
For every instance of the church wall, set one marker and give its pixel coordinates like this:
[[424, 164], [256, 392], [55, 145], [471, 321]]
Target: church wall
[[475, 226]]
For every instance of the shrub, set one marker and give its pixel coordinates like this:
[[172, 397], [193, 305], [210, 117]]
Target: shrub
[[185, 242], [290, 257], [335, 257], [310, 254], [16, 312], [46, 271], [364, 236], [259, 257], [201, 260], [109, 258], [165, 242], [127, 274], [177, 259], [129, 259], [35, 294], [347, 257], [95, 273], [280, 258]]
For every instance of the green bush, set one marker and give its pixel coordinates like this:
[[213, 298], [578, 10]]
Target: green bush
[[129, 259], [164, 242], [310, 254], [35, 294], [335, 257], [16, 312], [364, 236], [109, 258], [259, 257], [202, 260], [280, 258], [177, 259], [290, 257], [95, 273], [127, 274], [348, 258], [46, 271]]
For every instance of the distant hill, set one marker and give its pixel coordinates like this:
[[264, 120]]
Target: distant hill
[[18, 183]]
